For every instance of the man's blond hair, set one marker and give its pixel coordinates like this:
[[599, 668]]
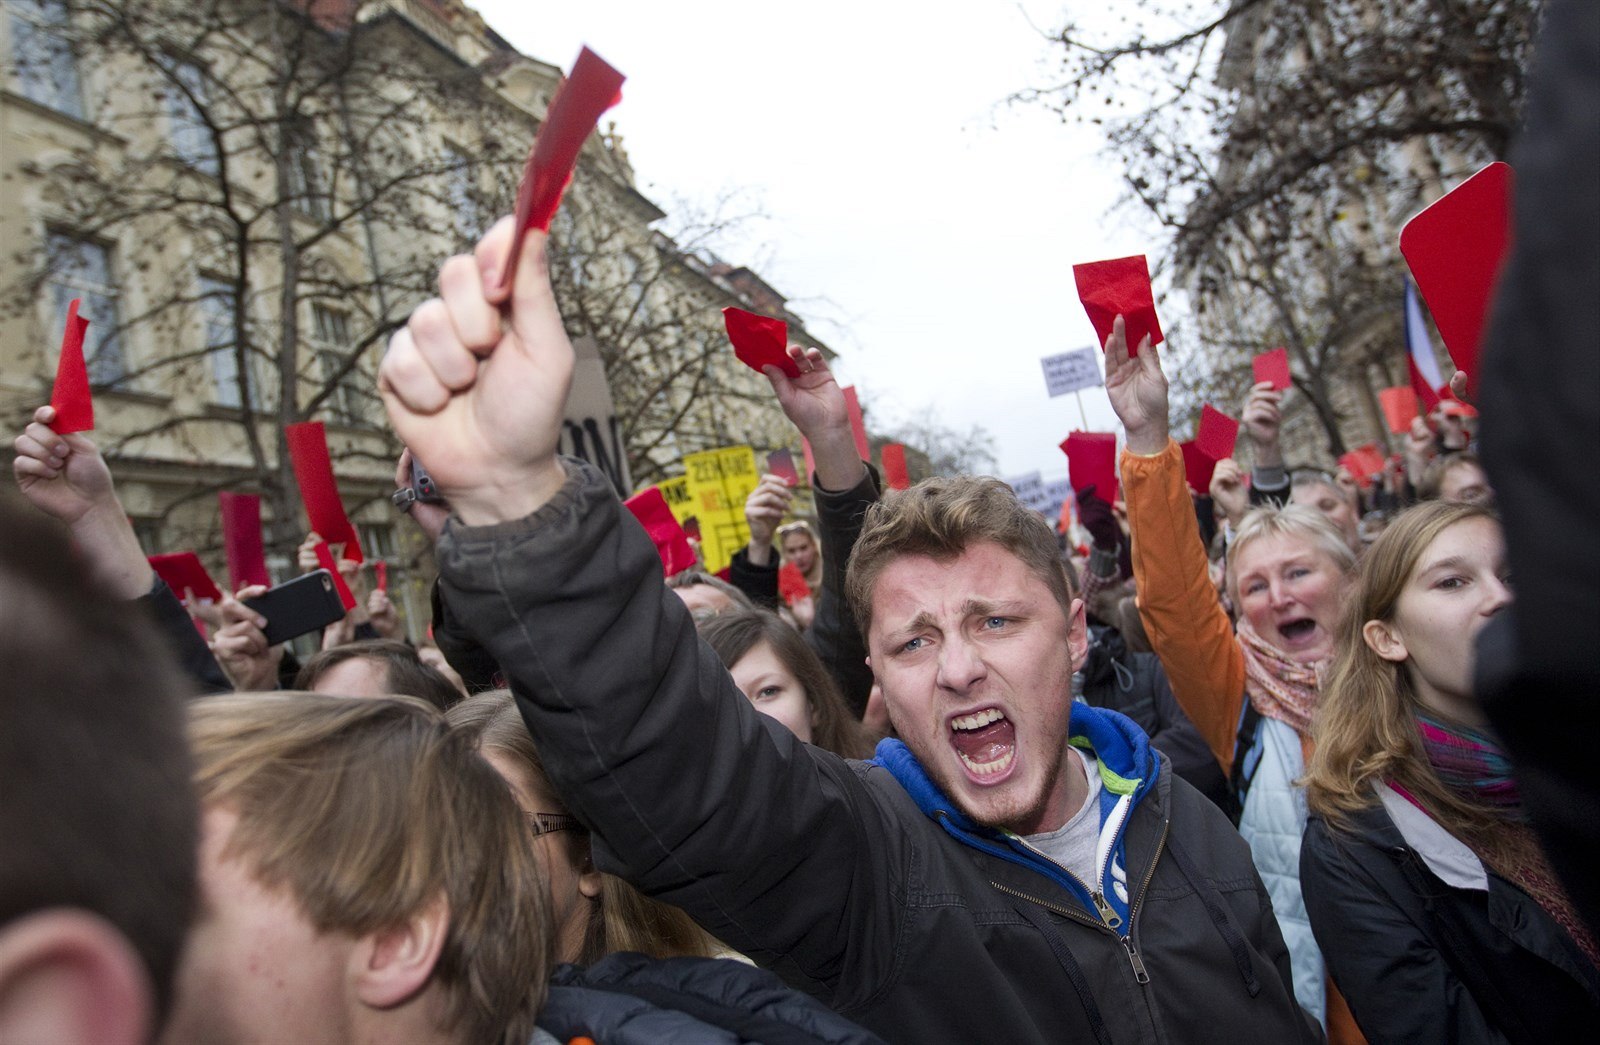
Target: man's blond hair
[[366, 812], [941, 518]]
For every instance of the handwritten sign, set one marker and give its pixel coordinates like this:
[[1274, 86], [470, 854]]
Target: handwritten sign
[[719, 481], [1071, 371]]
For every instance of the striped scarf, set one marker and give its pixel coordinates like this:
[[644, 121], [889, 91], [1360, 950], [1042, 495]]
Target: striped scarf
[[1278, 687], [1471, 763]]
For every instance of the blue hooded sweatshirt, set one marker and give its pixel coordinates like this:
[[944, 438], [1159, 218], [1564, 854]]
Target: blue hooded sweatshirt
[[1127, 770]]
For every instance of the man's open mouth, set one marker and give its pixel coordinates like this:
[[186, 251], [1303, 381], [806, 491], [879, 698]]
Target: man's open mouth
[[985, 740]]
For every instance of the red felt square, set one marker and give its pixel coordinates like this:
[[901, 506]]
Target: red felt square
[[1456, 248], [1273, 368], [858, 427], [672, 543], [73, 405], [1399, 407], [792, 586], [759, 341], [1092, 461], [591, 89], [313, 470], [184, 573], [1120, 286], [895, 473], [781, 464], [325, 557], [1217, 433], [1197, 467], [241, 539]]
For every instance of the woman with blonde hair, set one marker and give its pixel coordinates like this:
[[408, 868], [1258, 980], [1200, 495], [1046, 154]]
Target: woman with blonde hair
[[1429, 894]]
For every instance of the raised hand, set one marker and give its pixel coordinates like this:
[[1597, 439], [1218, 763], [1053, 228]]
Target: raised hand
[[815, 403], [764, 509], [63, 476], [1138, 391], [1228, 493], [385, 619], [240, 645], [305, 556], [1262, 418], [480, 386]]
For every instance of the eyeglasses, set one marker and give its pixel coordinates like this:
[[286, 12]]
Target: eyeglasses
[[549, 823]]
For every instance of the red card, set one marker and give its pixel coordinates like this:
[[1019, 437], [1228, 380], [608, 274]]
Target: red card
[[811, 460], [1272, 367], [313, 470], [591, 89], [1217, 434], [1399, 407], [781, 464], [325, 557], [858, 427], [759, 341], [74, 406], [1197, 467], [1363, 463], [1119, 287], [380, 573], [672, 544], [1455, 249], [241, 539], [1092, 461], [183, 572], [894, 467], [792, 586]]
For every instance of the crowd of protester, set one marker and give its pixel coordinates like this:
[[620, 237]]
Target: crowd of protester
[[1235, 773]]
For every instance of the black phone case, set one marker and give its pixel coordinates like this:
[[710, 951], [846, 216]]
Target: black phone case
[[307, 603]]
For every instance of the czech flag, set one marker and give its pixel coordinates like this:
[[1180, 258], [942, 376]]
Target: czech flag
[[1425, 377]]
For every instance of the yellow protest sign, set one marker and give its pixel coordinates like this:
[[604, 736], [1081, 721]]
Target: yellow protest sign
[[719, 481], [676, 493]]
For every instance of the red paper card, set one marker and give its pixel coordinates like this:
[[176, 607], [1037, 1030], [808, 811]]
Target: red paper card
[[1217, 433], [591, 89], [858, 427], [759, 341], [73, 405], [1363, 463], [781, 464], [1197, 467], [895, 473], [1272, 367], [183, 572], [1092, 461], [1455, 249], [1120, 286], [380, 573], [792, 586], [241, 539], [672, 544], [325, 557], [313, 470], [1399, 407], [811, 460]]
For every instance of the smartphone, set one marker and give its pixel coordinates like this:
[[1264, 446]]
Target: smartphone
[[308, 603]]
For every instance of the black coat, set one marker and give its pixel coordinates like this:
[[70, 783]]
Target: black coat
[[1422, 961]]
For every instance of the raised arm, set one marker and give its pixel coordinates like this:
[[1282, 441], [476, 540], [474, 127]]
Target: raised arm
[[1184, 620]]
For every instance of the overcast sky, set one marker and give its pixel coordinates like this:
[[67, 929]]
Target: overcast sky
[[924, 229]]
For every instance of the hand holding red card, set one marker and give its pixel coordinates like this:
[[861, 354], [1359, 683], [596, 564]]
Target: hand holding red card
[[313, 470], [1120, 286], [649, 506], [759, 341], [1272, 368], [1217, 434], [185, 574], [73, 404], [1198, 467], [1455, 249], [241, 539], [1092, 461], [591, 89], [895, 473], [325, 558]]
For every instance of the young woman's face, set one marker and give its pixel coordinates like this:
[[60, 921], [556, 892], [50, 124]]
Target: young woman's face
[[1459, 583], [1289, 591], [773, 689], [800, 549]]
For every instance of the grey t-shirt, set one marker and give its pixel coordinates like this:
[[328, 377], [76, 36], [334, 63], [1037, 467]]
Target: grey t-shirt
[[1076, 844]]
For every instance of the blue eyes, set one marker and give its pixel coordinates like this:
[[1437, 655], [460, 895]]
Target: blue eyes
[[995, 622], [914, 644]]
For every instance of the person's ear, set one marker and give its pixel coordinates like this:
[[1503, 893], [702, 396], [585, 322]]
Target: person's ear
[[1382, 639], [391, 966], [1078, 634], [591, 883], [68, 976]]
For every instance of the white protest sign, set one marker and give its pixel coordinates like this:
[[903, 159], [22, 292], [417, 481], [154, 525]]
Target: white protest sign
[[1071, 371]]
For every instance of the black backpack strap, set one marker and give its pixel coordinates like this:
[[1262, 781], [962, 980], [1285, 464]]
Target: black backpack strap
[[1243, 742], [1215, 907], [1080, 982]]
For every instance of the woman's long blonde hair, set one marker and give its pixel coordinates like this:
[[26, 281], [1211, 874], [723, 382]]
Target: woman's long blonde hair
[[1365, 728]]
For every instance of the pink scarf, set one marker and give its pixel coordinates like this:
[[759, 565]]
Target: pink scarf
[[1278, 687]]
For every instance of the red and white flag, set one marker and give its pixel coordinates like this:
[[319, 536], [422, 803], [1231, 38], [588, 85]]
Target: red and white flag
[[1425, 377]]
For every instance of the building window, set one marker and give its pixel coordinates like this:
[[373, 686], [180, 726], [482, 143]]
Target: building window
[[41, 50], [305, 178], [461, 192], [217, 300], [377, 540], [332, 344], [186, 97], [81, 268]]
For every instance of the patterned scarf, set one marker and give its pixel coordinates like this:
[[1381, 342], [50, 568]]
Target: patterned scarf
[[1472, 764], [1278, 687]]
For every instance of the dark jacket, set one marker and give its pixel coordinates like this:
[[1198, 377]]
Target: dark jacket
[[630, 999], [1429, 947], [168, 613], [1134, 684], [827, 871]]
